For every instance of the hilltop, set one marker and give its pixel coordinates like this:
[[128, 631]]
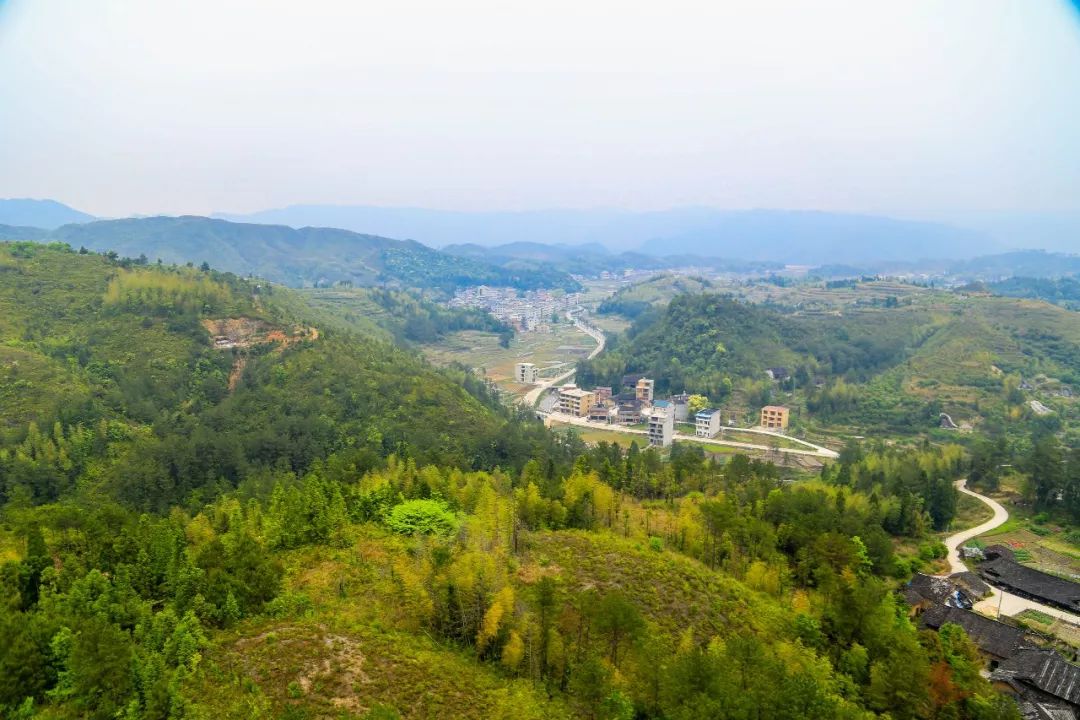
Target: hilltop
[[84, 340], [884, 363], [297, 257], [752, 235], [47, 214]]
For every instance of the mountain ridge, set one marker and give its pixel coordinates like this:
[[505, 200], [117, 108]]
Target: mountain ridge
[[45, 213]]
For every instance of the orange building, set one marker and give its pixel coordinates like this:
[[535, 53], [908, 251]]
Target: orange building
[[774, 417]]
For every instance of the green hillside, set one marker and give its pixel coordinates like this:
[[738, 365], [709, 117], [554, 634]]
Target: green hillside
[[214, 505], [84, 340], [891, 365], [635, 299], [301, 258]]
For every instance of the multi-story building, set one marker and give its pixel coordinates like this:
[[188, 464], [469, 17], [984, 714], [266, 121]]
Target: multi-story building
[[602, 393], [661, 424], [575, 401], [681, 403], [525, 373], [644, 390], [774, 417], [602, 412], [628, 412], [707, 423]]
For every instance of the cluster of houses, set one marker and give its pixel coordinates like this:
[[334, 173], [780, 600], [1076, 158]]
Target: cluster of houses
[[1044, 683], [633, 405], [636, 403], [529, 311]]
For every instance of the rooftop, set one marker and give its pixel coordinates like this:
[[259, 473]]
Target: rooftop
[[575, 392], [1046, 671], [992, 637], [1002, 570], [775, 408], [706, 414]]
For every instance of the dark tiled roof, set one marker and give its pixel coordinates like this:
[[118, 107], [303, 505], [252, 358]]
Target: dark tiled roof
[[1007, 573], [936, 590], [992, 637], [1046, 671], [972, 583]]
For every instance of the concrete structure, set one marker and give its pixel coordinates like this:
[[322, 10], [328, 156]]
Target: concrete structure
[[525, 373], [644, 390], [774, 417], [681, 403], [661, 424], [603, 414], [575, 401], [602, 393], [707, 423], [628, 412]]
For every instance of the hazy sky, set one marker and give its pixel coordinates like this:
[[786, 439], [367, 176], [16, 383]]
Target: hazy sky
[[903, 107]]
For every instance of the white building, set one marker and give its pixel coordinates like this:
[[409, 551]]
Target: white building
[[661, 424], [707, 423], [525, 373]]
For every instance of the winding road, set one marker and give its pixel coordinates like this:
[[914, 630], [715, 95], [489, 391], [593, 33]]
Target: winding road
[[533, 395], [999, 602]]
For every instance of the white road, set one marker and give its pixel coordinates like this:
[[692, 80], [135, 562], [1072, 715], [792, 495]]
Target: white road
[[999, 602], [816, 451], [533, 396]]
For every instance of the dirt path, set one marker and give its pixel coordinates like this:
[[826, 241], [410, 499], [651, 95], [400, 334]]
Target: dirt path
[[1000, 602]]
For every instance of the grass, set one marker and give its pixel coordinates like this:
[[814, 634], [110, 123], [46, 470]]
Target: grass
[[1036, 616], [672, 591], [355, 647], [969, 513], [593, 436], [482, 350]]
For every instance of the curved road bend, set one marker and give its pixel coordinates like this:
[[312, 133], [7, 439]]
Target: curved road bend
[[1008, 603], [533, 395]]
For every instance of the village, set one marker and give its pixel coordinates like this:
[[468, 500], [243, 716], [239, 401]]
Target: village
[[525, 311], [634, 408]]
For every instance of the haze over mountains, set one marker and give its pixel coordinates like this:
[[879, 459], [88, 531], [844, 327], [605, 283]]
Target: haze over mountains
[[47, 214], [615, 238], [804, 237]]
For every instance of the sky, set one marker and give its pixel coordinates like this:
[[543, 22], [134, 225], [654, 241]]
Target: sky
[[913, 108]]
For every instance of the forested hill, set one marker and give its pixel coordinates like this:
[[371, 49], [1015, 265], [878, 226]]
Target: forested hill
[[894, 365], [298, 257], [189, 380], [213, 507]]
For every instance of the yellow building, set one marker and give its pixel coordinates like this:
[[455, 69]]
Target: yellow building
[[644, 390], [575, 401], [774, 417]]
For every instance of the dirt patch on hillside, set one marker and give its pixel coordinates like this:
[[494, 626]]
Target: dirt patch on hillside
[[228, 333], [303, 662], [242, 333]]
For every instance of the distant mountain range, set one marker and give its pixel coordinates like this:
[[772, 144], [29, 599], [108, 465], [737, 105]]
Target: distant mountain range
[[298, 257], [47, 214], [585, 241], [593, 258], [1018, 263], [799, 237]]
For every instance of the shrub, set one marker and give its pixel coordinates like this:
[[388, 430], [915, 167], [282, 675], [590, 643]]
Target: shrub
[[427, 517]]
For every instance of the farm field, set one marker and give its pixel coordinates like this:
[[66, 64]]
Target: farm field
[[481, 350]]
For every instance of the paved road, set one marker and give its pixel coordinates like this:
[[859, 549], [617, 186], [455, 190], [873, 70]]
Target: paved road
[[533, 395], [817, 451], [999, 602]]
